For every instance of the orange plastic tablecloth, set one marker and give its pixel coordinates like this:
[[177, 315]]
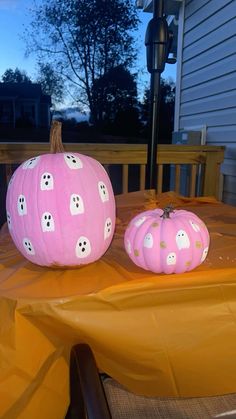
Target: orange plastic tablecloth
[[156, 334]]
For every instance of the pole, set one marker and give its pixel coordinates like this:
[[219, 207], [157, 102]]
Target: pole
[[152, 144], [151, 171]]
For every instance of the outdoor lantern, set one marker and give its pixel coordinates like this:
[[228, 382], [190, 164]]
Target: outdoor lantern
[[167, 241], [61, 207], [157, 44]]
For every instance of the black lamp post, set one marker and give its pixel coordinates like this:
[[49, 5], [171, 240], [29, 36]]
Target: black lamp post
[[157, 40]]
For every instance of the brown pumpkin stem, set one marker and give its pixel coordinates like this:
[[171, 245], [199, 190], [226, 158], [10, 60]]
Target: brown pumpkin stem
[[167, 211], [56, 145]]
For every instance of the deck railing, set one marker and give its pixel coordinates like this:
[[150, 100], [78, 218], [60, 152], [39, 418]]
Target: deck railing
[[201, 159]]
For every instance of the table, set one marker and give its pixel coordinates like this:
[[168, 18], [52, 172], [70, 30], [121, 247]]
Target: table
[[162, 334]]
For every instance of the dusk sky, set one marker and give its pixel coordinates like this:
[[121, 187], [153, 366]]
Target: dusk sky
[[14, 15]]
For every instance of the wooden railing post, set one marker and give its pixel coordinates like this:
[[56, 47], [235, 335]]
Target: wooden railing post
[[211, 184], [125, 178]]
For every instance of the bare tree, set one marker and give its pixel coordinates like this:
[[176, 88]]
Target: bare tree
[[83, 40]]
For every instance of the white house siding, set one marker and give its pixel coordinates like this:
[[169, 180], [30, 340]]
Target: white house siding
[[207, 79]]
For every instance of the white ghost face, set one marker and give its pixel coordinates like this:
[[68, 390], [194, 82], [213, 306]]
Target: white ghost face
[[171, 259], [46, 182], [148, 241], [128, 246], [83, 247], [21, 205], [47, 222], [204, 254], [182, 240], [31, 163], [72, 161], [107, 228], [140, 221], [76, 204], [195, 226], [103, 191], [28, 246], [9, 223]]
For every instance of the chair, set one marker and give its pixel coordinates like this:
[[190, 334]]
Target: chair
[[97, 396]]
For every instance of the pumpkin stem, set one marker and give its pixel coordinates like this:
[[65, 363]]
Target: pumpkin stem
[[56, 145], [167, 211]]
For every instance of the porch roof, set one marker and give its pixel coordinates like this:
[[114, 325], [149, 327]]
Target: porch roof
[[171, 7], [11, 91]]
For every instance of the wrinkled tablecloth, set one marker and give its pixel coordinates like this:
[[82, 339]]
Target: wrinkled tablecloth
[[171, 335]]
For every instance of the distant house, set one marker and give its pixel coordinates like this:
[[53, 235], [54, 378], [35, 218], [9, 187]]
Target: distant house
[[24, 104], [206, 75]]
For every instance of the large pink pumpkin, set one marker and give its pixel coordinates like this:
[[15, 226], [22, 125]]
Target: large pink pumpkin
[[167, 241], [61, 209]]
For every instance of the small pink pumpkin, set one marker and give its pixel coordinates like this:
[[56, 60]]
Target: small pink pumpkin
[[61, 207], [168, 241]]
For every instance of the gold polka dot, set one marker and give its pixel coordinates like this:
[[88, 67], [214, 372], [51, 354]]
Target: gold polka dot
[[198, 245], [155, 224], [162, 245], [136, 252], [188, 263]]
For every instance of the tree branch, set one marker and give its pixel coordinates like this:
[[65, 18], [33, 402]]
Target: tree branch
[[73, 81], [68, 55]]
